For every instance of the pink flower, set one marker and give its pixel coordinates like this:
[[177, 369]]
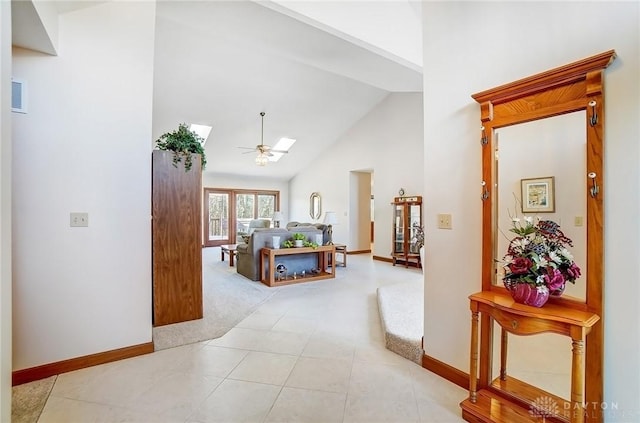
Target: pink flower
[[553, 279], [520, 265], [573, 271]]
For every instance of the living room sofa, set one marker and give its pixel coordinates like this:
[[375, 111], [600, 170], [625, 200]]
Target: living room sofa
[[320, 226], [248, 255]]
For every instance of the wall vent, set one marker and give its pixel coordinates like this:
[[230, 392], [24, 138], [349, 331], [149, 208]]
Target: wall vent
[[18, 96]]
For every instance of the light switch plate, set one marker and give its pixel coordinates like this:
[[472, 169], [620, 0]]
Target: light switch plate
[[444, 221], [79, 219]]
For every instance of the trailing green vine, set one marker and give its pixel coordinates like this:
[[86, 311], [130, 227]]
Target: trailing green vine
[[183, 142]]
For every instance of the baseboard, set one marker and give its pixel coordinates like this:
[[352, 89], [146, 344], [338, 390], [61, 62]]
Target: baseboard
[[380, 258], [446, 371], [46, 370], [358, 252]]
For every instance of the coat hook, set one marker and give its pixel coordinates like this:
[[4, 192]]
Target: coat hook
[[593, 120], [483, 140], [595, 189], [485, 191]]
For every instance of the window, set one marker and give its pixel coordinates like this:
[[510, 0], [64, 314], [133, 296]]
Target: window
[[227, 208]]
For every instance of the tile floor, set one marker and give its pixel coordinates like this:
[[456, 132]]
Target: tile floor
[[313, 352]]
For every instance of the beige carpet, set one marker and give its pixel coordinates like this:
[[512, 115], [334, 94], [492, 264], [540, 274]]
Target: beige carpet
[[228, 298], [28, 400], [401, 312]]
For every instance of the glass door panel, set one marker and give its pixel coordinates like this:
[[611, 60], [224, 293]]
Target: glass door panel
[[398, 233], [217, 218], [414, 222], [245, 212], [266, 206]]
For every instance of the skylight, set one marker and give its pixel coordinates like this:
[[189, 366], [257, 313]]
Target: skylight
[[201, 130], [284, 144]]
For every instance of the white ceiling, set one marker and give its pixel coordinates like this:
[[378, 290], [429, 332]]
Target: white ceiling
[[222, 63]]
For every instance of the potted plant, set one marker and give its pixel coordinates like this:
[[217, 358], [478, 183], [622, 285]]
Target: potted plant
[[298, 239], [183, 142]]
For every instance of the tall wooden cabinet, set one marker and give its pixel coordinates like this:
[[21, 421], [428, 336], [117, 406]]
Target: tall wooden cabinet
[[407, 214], [177, 240]]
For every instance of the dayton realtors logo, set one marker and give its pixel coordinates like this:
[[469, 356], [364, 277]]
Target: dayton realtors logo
[[544, 407]]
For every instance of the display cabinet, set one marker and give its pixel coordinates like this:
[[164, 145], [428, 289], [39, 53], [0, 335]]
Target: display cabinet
[[407, 219]]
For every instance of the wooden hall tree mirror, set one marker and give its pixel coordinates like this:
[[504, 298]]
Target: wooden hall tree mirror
[[576, 87]]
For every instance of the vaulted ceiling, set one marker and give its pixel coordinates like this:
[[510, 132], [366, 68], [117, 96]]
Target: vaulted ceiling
[[222, 63]]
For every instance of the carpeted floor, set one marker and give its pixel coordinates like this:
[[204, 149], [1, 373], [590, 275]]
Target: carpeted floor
[[401, 309], [28, 400], [228, 298]]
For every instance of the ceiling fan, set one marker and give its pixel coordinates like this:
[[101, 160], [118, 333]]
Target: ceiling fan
[[264, 151]]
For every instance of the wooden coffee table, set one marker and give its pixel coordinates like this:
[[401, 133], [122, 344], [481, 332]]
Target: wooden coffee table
[[230, 250]]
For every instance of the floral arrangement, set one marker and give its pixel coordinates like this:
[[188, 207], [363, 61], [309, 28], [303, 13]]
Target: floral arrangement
[[538, 256]]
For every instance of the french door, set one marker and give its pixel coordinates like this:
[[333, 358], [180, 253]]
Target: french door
[[216, 222], [228, 213]]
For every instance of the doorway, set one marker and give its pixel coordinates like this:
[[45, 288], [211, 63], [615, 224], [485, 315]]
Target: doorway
[[361, 226]]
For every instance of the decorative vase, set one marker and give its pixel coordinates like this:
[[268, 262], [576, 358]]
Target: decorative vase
[[558, 292], [297, 243], [275, 241], [525, 293]]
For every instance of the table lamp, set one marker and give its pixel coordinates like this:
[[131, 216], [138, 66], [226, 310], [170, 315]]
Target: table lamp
[[277, 217]]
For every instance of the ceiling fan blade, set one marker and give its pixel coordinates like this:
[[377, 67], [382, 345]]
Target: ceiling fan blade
[[247, 148], [279, 151]]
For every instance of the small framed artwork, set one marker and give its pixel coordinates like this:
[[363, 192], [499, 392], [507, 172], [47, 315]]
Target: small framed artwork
[[538, 195]]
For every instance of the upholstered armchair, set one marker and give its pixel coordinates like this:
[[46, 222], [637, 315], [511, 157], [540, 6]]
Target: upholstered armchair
[[248, 255], [243, 237]]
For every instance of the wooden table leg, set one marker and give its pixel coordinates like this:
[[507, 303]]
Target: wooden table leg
[[232, 253], [221, 254], [503, 354], [473, 367], [272, 269], [577, 381]]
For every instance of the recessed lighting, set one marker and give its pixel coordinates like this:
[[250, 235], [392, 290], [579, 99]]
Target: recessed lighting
[[202, 130]]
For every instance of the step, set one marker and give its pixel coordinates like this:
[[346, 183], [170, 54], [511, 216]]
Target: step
[[401, 309]]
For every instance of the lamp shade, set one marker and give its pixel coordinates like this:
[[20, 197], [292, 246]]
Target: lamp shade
[[277, 216], [330, 218]]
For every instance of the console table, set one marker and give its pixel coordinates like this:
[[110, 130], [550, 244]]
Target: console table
[[325, 255], [507, 399]]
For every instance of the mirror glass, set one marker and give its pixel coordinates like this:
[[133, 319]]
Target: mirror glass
[[315, 206], [543, 361], [552, 150]]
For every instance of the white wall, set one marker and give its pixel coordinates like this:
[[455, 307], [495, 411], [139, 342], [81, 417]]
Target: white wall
[[84, 146], [388, 142], [5, 211], [480, 45], [211, 179]]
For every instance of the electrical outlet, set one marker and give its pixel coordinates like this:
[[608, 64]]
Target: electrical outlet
[[578, 221], [79, 219], [444, 221]]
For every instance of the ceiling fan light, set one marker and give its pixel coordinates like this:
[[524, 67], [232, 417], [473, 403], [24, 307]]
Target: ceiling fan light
[[262, 159]]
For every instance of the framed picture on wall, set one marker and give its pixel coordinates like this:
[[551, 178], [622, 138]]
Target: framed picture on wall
[[538, 195]]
